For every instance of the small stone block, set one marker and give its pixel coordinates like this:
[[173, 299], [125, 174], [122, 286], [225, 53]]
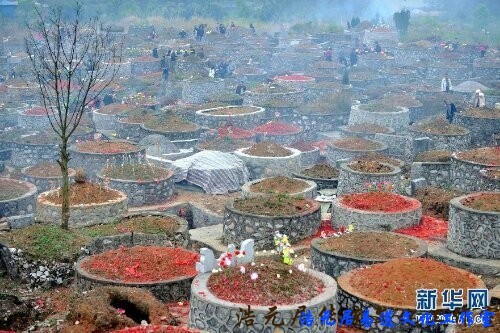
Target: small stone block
[[417, 184]]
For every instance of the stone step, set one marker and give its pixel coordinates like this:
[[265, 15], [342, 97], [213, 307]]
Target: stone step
[[332, 135]]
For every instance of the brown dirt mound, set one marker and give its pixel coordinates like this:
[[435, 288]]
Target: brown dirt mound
[[396, 281], [379, 157], [434, 156], [44, 170], [111, 308], [138, 172], [483, 113], [84, 194], [225, 144], [436, 201], [105, 147], [356, 144], [114, 108], [280, 184], [268, 149], [171, 124], [321, 171], [485, 155], [11, 188], [439, 126], [267, 289], [378, 201], [373, 245], [280, 205], [370, 167], [367, 128], [138, 224], [233, 111], [489, 202]]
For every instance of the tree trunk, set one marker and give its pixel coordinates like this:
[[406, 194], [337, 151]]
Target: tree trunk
[[64, 159]]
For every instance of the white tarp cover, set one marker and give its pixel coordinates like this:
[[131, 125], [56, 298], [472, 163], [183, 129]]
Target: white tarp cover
[[213, 171]]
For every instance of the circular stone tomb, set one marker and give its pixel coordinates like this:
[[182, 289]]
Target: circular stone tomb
[[45, 176], [350, 148], [241, 116], [466, 167], [308, 188]]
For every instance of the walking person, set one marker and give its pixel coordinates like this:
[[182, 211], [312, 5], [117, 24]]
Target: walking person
[[446, 84], [450, 111]]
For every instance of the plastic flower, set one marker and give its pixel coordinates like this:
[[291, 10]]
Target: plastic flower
[[120, 311], [254, 276], [302, 268], [242, 269], [290, 271], [350, 228], [278, 276]]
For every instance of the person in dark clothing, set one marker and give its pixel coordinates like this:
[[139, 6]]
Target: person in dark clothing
[[108, 99], [222, 29], [97, 103], [240, 89], [182, 34], [450, 111], [353, 57], [201, 53], [252, 28], [342, 58], [329, 54], [155, 53], [378, 49], [173, 56], [165, 74], [163, 62], [12, 74]]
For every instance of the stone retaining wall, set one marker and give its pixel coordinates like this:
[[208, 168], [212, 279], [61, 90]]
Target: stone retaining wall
[[473, 233], [437, 174], [482, 129], [398, 121], [239, 226], [370, 136], [320, 122], [198, 92], [292, 97], [81, 215], [335, 264], [22, 205], [343, 215], [175, 136], [211, 314], [351, 181], [281, 139], [24, 155], [321, 183], [310, 158], [145, 67], [93, 163], [363, 84], [203, 217], [248, 120], [46, 183], [334, 154], [261, 167], [8, 119], [104, 122], [446, 142], [130, 131], [466, 175], [143, 193], [399, 146], [309, 192], [457, 72], [38, 123], [490, 183]]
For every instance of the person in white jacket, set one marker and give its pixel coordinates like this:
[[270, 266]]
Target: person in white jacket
[[479, 101], [446, 84]]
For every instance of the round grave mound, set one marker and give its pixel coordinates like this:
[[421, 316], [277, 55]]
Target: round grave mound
[[279, 132], [266, 93], [235, 132], [260, 217], [46, 176], [376, 210], [35, 118], [365, 130], [172, 127], [293, 288], [105, 117], [393, 285], [338, 255], [444, 136], [324, 175], [90, 204], [144, 184], [351, 148], [473, 229], [310, 154], [466, 167], [380, 113], [279, 185], [359, 176], [165, 271], [16, 197], [482, 122], [241, 116]]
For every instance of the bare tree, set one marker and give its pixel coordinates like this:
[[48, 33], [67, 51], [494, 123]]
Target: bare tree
[[72, 60]]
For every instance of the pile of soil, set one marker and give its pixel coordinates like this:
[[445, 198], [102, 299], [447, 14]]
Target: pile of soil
[[489, 202], [114, 108], [434, 156], [277, 128], [440, 126], [430, 228], [137, 116], [298, 78], [379, 157], [225, 144], [136, 171], [142, 264], [11, 189], [110, 308], [483, 113], [270, 89], [280, 205], [233, 111], [367, 128], [150, 224], [303, 146], [378, 201], [436, 201], [372, 245], [267, 289], [485, 155], [379, 106], [105, 147], [84, 194], [396, 281], [171, 124], [37, 112], [321, 171], [370, 167], [268, 149], [356, 144], [279, 185], [235, 132], [44, 170]]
